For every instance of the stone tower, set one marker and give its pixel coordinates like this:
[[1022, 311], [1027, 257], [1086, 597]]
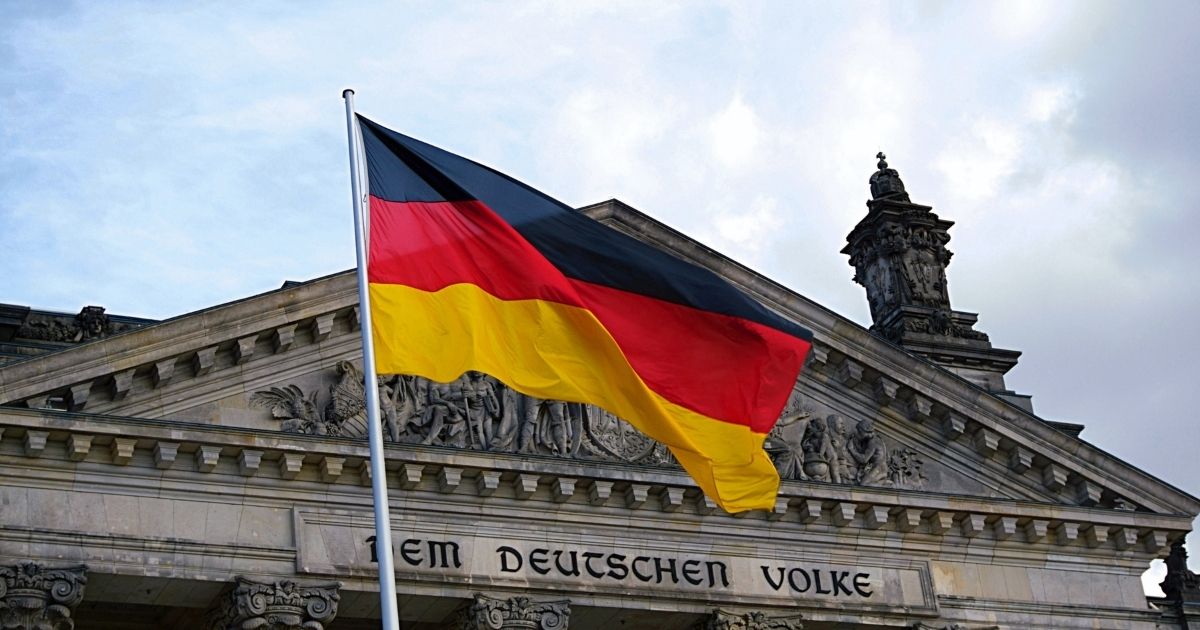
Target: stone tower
[[899, 255]]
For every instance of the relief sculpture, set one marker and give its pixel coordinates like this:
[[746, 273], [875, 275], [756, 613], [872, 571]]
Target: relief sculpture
[[807, 447], [477, 412]]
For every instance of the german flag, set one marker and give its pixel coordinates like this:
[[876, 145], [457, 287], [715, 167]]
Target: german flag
[[469, 269]]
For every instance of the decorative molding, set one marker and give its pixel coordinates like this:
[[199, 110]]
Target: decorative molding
[[122, 383], [162, 372], [78, 446], [515, 613], [121, 450], [204, 360], [278, 605], [40, 598], [35, 443], [754, 620]]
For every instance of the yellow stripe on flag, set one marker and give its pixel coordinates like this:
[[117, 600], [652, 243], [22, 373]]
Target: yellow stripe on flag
[[551, 350]]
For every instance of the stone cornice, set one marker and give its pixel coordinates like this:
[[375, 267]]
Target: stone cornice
[[841, 340], [197, 358], [132, 447], [261, 319]]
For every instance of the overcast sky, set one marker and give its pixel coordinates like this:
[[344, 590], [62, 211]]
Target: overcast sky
[[158, 158]]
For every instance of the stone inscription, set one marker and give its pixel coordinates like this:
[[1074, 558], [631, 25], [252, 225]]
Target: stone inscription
[[628, 568], [620, 567], [606, 561]]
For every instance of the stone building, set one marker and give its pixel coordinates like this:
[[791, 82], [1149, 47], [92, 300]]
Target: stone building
[[209, 471]]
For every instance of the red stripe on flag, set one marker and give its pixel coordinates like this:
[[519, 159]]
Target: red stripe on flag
[[730, 362]]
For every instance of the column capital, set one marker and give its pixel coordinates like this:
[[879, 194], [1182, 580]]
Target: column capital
[[276, 605], [34, 596], [753, 620], [515, 613]]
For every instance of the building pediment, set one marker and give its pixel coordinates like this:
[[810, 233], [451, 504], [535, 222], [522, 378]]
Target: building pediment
[[865, 414]]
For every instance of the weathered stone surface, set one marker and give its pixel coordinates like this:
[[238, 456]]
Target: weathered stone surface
[[36, 597], [515, 613], [755, 620], [274, 605]]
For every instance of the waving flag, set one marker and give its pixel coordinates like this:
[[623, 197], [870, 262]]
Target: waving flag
[[469, 269]]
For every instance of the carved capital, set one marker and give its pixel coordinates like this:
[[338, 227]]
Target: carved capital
[[515, 613], [280, 605], [754, 620], [33, 596]]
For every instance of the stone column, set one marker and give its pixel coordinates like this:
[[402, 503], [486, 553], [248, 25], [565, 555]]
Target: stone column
[[279, 605], [754, 620], [33, 596], [515, 613]]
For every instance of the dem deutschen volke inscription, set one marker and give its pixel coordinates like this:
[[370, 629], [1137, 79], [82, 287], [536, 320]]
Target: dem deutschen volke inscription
[[623, 566]]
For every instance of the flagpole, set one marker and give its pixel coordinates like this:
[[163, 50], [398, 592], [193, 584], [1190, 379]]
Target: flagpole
[[383, 527]]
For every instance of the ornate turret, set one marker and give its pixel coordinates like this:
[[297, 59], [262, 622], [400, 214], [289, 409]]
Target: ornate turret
[[899, 255]]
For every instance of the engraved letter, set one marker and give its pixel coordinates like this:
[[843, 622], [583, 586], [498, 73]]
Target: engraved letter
[[505, 552], [861, 584], [410, 550], [538, 559], [437, 554], [792, 580], [638, 574], [588, 556], [616, 567], [817, 579], [712, 577], [839, 583], [692, 568], [660, 569], [573, 571], [767, 574]]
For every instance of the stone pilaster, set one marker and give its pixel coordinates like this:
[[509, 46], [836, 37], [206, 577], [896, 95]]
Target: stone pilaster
[[279, 605], [515, 613], [753, 620], [37, 597]]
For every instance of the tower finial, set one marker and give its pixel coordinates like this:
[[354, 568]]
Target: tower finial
[[885, 183]]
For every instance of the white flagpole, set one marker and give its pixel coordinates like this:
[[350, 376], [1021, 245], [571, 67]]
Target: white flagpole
[[383, 527]]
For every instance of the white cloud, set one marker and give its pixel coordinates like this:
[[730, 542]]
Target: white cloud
[[1051, 101], [747, 226], [735, 133], [978, 160]]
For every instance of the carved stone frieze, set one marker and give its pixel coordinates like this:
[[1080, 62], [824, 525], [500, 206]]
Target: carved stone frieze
[[515, 613], [923, 625], [39, 598], [754, 620], [473, 412], [477, 412], [808, 447], [90, 323], [280, 605]]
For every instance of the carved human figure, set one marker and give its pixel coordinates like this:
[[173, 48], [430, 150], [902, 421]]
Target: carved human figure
[[445, 412], [786, 454], [556, 428], [504, 438], [482, 407], [401, 401], [388, 387], [818, 451], [869, 454], [92, 323], [841, 469]]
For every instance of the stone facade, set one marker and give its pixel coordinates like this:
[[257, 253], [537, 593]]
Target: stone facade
[[211, 472]]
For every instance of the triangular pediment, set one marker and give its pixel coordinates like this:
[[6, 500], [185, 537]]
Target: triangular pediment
[[865, 414]]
